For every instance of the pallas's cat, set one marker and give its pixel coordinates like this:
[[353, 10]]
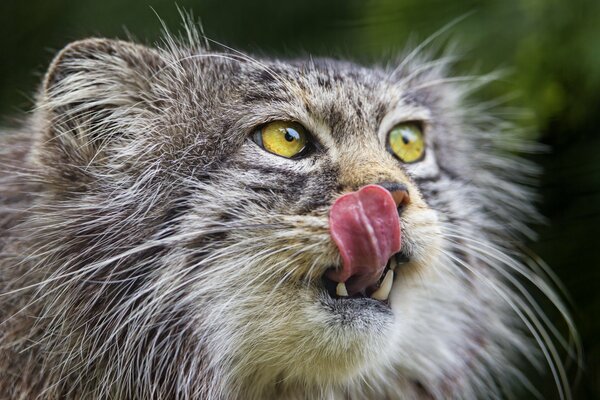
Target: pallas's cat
[[181, 223]]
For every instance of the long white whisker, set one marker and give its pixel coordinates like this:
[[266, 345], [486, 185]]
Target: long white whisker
[[532, 323]]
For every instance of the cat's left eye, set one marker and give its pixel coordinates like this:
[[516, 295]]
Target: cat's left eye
[[406, 142], [283, 138]]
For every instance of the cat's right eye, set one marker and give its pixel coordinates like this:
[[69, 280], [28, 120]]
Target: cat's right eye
[[406, 142], [283, 138]]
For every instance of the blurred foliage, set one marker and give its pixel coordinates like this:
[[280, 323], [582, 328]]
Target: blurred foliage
[[550, 47]]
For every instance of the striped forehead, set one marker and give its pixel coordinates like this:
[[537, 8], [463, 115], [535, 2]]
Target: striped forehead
[[333, 91], [344, 97]]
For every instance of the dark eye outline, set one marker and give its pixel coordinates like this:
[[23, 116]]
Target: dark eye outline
[[308, 148], [421, 127]]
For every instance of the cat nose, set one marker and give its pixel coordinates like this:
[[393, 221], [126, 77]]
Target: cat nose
[[399, 192]]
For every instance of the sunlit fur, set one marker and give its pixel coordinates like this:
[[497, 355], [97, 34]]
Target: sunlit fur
[[151, 250]]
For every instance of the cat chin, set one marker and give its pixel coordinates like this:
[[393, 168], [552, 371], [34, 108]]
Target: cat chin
[[320, 341], [347, 340]]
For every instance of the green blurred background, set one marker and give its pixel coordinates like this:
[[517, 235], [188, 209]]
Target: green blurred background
[[551, 49]]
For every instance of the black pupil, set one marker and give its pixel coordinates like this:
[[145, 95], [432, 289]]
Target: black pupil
[[406, 138], [291, 135]]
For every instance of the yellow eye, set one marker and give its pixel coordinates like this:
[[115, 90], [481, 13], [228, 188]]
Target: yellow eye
[[406, 142], [283, 138]]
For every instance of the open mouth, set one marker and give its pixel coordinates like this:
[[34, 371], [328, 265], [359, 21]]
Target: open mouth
[[379, 291]]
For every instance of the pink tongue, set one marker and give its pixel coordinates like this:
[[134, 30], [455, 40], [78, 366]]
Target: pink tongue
[[365, 227]]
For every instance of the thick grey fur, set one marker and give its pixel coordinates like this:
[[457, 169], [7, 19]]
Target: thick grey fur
[[149, 249]]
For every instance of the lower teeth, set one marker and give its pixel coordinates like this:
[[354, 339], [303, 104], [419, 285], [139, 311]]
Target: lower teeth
[[341, 290], [382, 293], [386, 286]]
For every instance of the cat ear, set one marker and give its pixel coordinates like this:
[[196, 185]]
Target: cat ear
[[96, 90]]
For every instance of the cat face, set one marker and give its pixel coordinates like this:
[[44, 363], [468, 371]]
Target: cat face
[[212, 248], [278, 208]]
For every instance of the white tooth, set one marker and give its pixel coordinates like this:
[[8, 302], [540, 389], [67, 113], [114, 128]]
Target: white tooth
[[393, 263], [386, 286], [341, 290]]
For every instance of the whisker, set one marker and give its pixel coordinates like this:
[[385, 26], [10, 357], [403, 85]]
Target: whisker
[[537, 330], [486, 249]]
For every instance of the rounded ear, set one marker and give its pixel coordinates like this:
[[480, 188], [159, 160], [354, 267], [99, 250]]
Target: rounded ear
[[94, 89], [97, 56]]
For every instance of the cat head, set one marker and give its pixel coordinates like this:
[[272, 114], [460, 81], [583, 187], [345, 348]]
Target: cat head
[[188, 215]]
